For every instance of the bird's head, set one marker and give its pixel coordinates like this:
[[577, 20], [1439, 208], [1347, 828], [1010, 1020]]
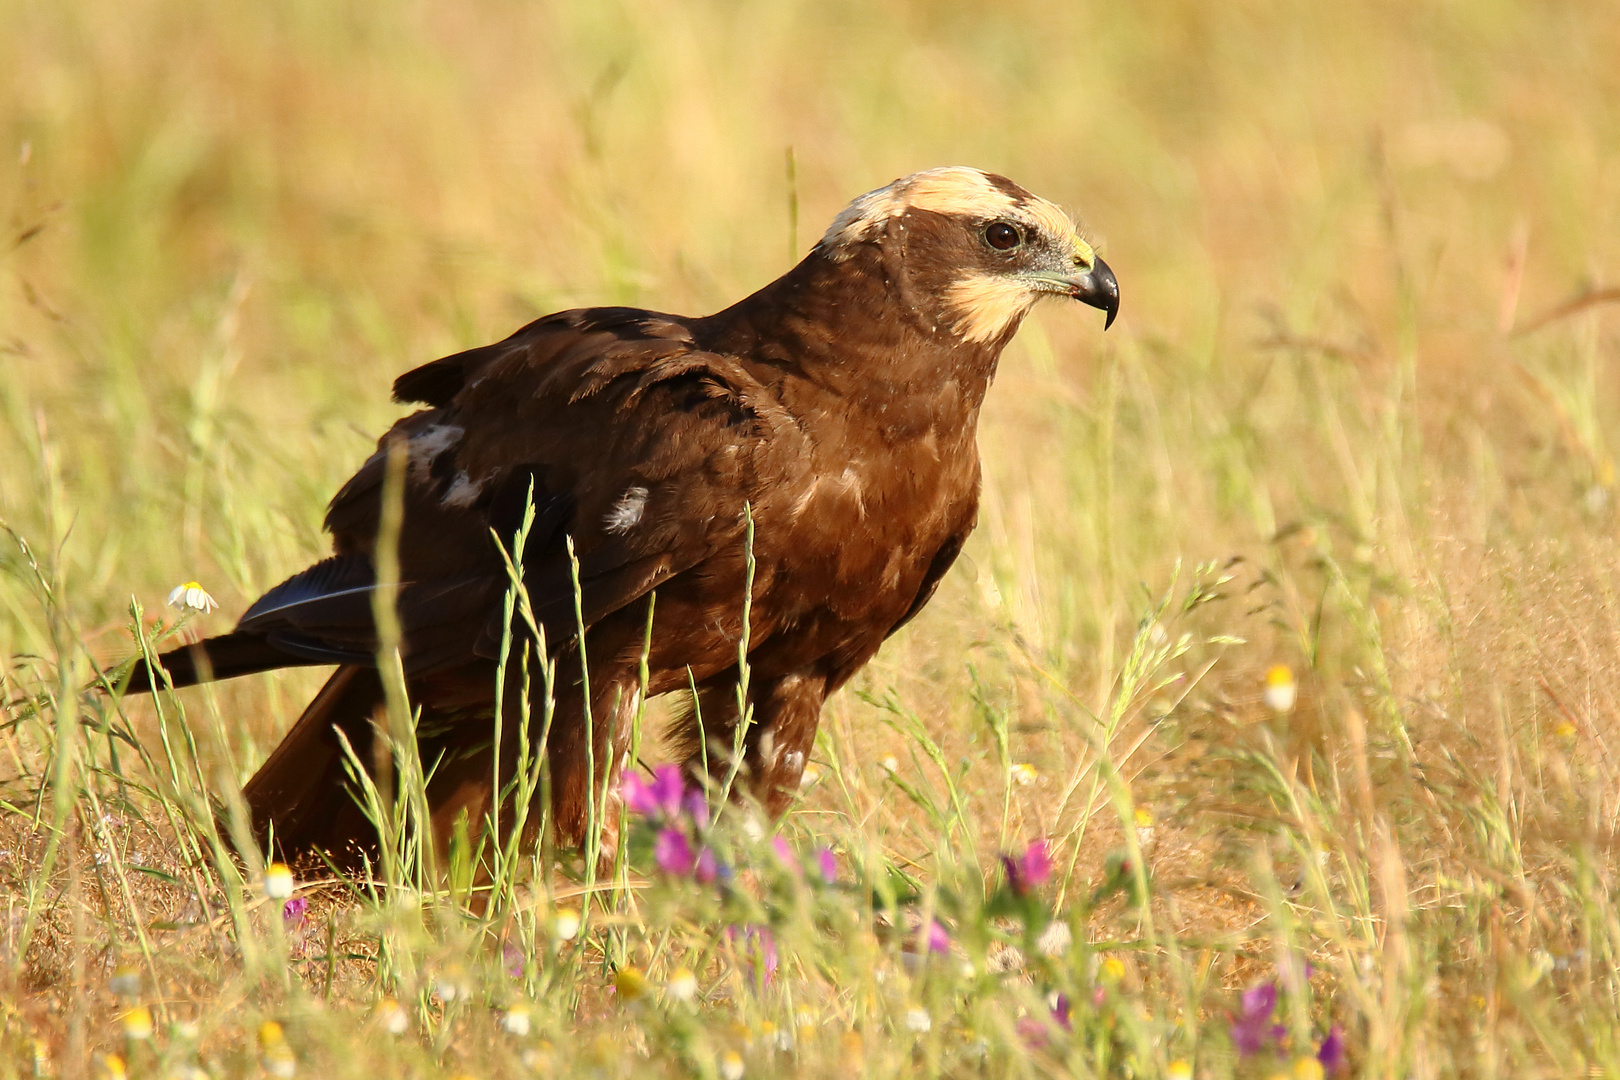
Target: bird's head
[[976, 246]]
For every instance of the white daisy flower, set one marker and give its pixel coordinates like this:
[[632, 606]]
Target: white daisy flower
[[193, 597]]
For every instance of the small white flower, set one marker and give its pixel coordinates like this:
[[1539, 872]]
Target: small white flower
[[890, 764], [1024, 774], [125, 981], [278, 881], [917, 1020], [447, 988], [1179, 1070], [515, 1021], [682, 985], [565, 924], [1055, 939], [731, 1065], [192, 596], [808, 778], [137, 1023], [393, 1019], [1281, 690]]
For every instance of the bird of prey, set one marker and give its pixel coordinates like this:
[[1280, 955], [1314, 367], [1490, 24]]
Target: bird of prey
[[833, 411]]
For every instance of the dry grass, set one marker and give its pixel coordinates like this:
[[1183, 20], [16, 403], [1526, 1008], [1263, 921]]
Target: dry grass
[[1363, 373]]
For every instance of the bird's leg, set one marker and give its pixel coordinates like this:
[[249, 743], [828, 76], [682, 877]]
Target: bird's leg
[[775, 747], [575, 800]]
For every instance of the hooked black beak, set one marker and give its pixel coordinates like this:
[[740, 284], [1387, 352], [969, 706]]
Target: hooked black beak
[[1098, 288]]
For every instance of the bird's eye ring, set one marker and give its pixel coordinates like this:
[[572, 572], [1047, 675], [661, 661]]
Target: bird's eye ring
[[1002, 236]]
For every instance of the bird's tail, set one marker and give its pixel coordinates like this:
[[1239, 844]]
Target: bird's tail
[[223, 657], [301, 797]]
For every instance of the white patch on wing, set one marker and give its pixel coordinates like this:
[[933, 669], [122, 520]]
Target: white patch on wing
[[985, 305], [429, 443], [627, 511], [463, 493]]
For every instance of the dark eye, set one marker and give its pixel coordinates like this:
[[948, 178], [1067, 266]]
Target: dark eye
[[1001, 236]]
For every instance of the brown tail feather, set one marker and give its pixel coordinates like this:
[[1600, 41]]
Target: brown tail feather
[[302, 793]]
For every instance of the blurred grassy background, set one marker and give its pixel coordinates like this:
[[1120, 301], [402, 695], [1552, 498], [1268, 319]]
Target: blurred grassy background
[[1364, 346]]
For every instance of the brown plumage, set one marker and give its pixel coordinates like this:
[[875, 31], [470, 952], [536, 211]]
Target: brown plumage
[[838, 405]]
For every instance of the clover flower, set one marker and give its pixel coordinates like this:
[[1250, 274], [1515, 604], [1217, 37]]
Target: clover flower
[[660, 799], [192, 597], [294, 912], [1036, 1033], [707, 868], [784, 854], [758, 945], [1030, 870], [1331, 1053], [672, 851], [1252, 1029]]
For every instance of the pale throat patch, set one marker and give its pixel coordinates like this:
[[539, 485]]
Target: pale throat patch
[[987, 305]]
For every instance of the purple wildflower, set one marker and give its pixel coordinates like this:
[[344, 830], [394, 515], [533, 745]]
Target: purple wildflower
[[659, 799], [1030, 870], [697, 805], [1252, 1028], [938, 940], [668, 787], [293, 913], [706, 868], [673, 852], [1331, 1052], [784, 853], [759, 945], [512, 957], [827, 863], [1037, 1033], [637, 795]]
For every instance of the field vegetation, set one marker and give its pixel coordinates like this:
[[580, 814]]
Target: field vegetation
[[1270, 725]]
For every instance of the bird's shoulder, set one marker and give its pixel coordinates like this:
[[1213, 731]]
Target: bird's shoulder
[[619, 411]]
